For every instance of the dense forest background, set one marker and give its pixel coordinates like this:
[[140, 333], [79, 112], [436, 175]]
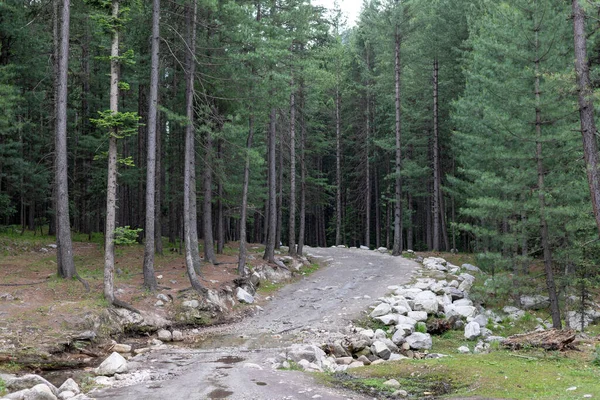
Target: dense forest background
[[429, 125]]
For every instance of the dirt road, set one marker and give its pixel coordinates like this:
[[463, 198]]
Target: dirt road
[[234, 363]]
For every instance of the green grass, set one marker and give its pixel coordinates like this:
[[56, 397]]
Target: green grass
[[2, 387]]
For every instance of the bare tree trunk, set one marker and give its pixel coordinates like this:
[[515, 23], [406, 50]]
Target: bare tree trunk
[[220, 215], [410, 228], [550, 284], [279, 193], [64, 249], [209, 242], [149, 278], [397, 249], [586, 109], [272, 210], [159, 185], [302, 228], [111, 190], [292, 206], [377, 212], [189, 191], [244, 211], [338, 171], [436, 164]]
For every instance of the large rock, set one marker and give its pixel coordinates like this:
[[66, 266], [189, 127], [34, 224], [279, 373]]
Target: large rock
[[398, 336], [380, 349], [165, 335], [418, 315], [513, 312], [426, 301], [409, 293], [381, 309], [470, 268], [40, 392], [389, 319], [403, 320], [114, 364], [465, 311], [419, 341], [309, 352], [243, 296], [463, 302], [472, 330], [69, 385], [536, 302], [26, 382]]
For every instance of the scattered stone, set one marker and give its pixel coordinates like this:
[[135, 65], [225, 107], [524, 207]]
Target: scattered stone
[[472, 330], [121, 348], [389, 319], [463, 350], [392, 383], [191, 304], [344, 360], [379, 334], [400, 393], [164, 335], [365, 360], [356, 364], [252, 366], [471, 268], [382, 250], [67, 394], [243, 296], [163, 297], [419, 341], [40, 392], [177, 336], [114, 364], [159, 303], [418, 315], [481, 347], [536, 302], [69, 385], [398, 336], [26, 382]]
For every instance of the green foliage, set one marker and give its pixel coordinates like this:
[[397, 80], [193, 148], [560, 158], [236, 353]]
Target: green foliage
[[119, 124], [125, 235]]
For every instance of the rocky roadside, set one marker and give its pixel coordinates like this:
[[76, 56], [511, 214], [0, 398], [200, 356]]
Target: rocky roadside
[[173, 319]]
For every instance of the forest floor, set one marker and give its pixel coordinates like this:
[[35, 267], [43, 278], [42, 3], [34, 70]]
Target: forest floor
[[37, 307]]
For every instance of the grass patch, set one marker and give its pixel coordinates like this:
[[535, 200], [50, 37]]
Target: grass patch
[[2, 387], [268, 288], [310, 269]]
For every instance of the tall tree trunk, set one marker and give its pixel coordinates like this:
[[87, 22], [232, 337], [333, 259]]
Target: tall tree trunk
[[111, 189], [244, 211], [220, 214], [209, 242], [410, 228], [436, 163], [302, 227], [338, 171], [397, 247], [149, 278], [279, 193], [64, 249], [292, 205], [586, 109], [158, 191], [377, 211], [189, 190], [272, 210], [550, 284]]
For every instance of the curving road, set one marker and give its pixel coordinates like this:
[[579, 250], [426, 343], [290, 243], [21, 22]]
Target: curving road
[[234, 362]]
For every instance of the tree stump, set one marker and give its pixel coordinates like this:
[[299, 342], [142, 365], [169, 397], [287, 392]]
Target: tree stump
[[552, 339]]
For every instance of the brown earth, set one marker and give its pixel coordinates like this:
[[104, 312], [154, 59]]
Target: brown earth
[[37, 307]]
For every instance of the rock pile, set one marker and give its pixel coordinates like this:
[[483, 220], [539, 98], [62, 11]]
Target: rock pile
[[440, 295], [34, 387]]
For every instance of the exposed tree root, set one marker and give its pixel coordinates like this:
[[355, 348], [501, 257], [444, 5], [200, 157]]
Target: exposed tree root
[[552, 339]]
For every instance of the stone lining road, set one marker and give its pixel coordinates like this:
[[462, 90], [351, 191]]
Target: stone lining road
[[234, 362]]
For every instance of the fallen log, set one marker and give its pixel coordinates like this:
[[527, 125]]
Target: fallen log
[[552, 339]]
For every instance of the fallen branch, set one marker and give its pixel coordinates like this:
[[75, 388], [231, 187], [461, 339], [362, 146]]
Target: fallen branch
[[552, 339]]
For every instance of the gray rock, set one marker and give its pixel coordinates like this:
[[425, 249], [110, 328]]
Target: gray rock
[[392, 383], [356, 364], [379, 349], [177, 336], [380, 310], [344, 360], [419, 341], [364, 248], [163, 297], [165, 335], [243, 296], [454, 293], [514, 313], [463, 350], [401, 310], [472, 330], [462, 302], [465, 311], [309, 366], [398, 336], [307, 352], [40, 392], [121, 348], [368, 333], [382, 250], [379, 334], [470, 268], [426, 301], [69, 385], [389, 319], [190, 304], [481, 319], [28, 381], [498, 339], [536, 302], [364, 359], [481, 347], [402, 320], [465, 285], [114, 364], [400, 393], [67, 394], [418, 315]]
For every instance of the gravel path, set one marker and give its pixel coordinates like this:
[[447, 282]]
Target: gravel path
[[233, 364]]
